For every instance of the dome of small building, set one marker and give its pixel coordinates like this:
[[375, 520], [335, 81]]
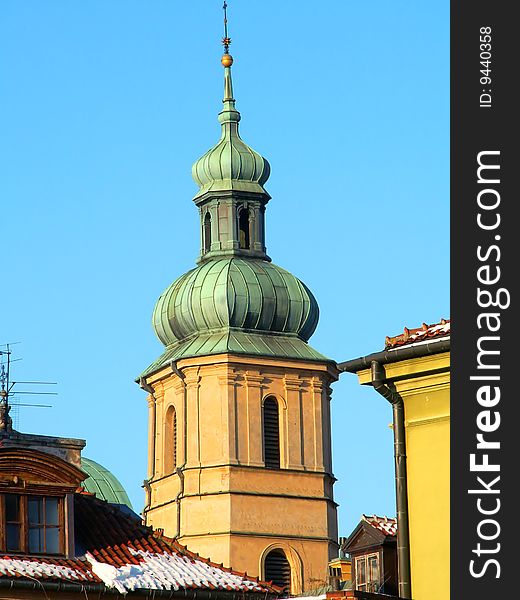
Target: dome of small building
[[103, 483], [251, 295]]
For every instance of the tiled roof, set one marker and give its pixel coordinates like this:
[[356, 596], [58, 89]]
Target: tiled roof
[[49, 569], [115, 549], [387, 525], [419, 334]]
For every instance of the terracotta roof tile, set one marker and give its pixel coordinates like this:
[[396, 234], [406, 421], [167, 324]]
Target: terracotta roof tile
[[386, 525], [419, 334]]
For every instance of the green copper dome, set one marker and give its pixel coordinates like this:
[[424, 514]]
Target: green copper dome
[[231, 164], [103, 483], [253, 295]]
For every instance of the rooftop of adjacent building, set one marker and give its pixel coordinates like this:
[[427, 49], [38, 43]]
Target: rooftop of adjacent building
[[115, 551], [104, 547], [386, 525], [412, 343], [419, 334]]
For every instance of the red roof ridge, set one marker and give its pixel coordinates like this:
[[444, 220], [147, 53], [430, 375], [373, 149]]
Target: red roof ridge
[[411, 335], [387, 525]]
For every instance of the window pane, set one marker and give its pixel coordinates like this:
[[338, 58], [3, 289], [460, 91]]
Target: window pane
[[13, 537], [361, 570], [52, 540], [51, 511], [35, 539], [12, 507], [34, 509], [373, 568]]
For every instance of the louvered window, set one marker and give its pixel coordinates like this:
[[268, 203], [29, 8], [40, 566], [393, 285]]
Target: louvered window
[[278, 570], [207, 232], [271, 434], [170, 441], [243, 228]]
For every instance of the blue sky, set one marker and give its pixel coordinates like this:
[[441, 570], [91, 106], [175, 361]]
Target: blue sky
[[104, 106]]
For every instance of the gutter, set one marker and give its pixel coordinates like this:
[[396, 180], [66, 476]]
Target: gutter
[[180, 469], [55, 586], [375, 363], [390, 356], [101, 589], [403, 535], [146, 483]]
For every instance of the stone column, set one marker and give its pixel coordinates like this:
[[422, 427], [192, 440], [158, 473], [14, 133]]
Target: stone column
[[230, 431], [321, 427]]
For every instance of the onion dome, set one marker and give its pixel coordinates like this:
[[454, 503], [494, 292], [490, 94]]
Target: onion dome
[[253, 295], [103, 483], [231, 163], [236, 301]]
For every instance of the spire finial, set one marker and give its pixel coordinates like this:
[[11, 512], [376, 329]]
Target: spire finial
[[227, 59]]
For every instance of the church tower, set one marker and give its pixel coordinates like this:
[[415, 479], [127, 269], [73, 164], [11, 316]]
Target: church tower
[[240, 466]]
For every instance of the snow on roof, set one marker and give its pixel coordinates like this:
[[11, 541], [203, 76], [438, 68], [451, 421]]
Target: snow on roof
[[70, 570], [169, 571]]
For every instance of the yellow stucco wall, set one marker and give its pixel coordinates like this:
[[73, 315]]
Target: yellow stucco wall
[[424, 385], [221, 501]]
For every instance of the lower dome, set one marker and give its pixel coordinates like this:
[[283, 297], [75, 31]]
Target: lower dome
[[247, 294], [103, 483]]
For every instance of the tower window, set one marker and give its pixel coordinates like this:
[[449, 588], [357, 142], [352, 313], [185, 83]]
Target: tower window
[[278, 570], [170, 440], [271, 433], [207, 232], [243, 228]]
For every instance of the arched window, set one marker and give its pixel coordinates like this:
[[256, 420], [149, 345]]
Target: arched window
[[243, 228], [271, 433], [207, 232], [278, 570], [170, 440]]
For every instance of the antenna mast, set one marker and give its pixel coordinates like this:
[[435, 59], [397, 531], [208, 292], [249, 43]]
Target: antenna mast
[[7, 391], [5, 420]]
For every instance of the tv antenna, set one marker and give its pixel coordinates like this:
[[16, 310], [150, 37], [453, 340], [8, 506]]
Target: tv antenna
[[9, 394]]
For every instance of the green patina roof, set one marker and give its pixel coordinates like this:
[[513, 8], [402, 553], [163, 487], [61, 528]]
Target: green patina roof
[[230, 341], [237, 293], [231, 163], [103, 483]]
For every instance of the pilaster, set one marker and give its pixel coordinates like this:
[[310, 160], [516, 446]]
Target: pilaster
[[255, 391], [294, 436]]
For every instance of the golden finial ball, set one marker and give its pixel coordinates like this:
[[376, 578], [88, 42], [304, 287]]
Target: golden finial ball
[[226, 60]]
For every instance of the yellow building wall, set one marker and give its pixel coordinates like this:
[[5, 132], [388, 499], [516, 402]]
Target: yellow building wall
[[424, 385], [222, 501]]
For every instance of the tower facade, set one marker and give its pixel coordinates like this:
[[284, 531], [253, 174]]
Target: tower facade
[[240, 466]]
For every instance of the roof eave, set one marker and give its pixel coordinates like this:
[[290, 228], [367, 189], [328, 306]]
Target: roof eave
[[186, 593], [389, 356]]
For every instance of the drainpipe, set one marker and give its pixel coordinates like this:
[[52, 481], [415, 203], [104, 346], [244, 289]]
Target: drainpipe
[[146, 483], [403, 536], [180, 469]]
